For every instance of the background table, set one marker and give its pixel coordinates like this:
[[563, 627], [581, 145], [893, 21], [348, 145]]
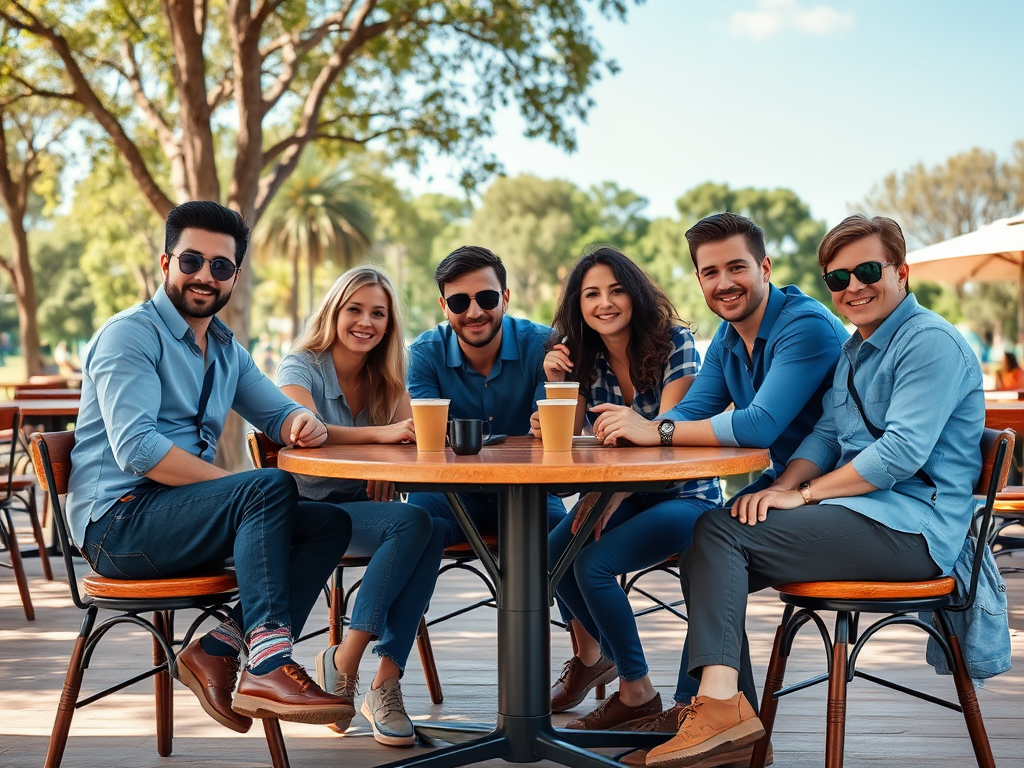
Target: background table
[[522, 475]]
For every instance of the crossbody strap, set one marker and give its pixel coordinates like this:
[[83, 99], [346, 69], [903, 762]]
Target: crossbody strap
[[875, 431], [204, 395]]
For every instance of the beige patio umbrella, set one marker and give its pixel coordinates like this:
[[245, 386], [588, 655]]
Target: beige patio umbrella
[[992, 252]]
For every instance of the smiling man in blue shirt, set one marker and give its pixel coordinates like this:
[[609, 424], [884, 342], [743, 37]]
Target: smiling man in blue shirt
[[146, 502], [881, 490], [488, 363]]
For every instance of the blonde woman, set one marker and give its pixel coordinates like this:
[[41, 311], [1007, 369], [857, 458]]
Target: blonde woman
[[349, 368]]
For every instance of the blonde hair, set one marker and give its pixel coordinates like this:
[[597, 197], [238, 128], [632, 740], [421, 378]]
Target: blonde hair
[[385, 363]]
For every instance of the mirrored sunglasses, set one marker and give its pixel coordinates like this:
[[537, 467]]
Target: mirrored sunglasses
[[867, 273], [220, 268], [459, 302]]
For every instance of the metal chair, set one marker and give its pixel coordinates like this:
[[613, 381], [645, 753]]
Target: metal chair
[[208, 593], [901, 601], [263, 452]]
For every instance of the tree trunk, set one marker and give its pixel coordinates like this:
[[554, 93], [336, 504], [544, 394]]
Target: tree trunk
[[25, 295]]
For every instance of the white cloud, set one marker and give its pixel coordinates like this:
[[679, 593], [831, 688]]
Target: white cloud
[[773, 16]]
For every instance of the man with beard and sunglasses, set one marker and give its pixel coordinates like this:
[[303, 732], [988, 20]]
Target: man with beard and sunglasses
[[772, 359], [488, 363], [146, 502]]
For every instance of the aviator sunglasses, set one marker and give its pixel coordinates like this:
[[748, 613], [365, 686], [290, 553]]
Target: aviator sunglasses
[[459, 302], [220, 268], [867, 273]]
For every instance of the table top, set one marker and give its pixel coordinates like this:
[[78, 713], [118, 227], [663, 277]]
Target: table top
[[1004, 394], [29, 407], [521, 460], [48, 394]]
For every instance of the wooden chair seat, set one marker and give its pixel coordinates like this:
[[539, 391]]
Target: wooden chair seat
[[869, 590], [219, 583]]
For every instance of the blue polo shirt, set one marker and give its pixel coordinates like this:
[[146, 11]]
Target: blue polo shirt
[[777, 391], [506, 397], [920, 383]]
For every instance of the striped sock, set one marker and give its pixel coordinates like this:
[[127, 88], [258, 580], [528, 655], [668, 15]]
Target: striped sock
[[269, 643], [224, 640]]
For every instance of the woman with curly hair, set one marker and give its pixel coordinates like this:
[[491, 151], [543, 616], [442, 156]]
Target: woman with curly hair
[[623, 341]]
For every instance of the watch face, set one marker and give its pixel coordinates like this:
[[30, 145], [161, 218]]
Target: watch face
[[665, 427]]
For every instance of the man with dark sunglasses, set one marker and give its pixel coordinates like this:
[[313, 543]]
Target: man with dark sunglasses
[[146, 502], [488, 363], [881, 490]]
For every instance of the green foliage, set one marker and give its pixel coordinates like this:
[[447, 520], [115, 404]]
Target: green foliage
[[66, 308]]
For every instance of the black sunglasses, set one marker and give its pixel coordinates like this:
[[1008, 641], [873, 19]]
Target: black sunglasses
[[459, 302], [220, 268], [869, 272]]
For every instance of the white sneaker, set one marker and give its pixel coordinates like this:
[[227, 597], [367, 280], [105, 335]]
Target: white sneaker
[[338, 683], [385, 709]]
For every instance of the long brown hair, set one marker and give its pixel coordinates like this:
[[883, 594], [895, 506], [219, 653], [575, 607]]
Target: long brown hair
[[650, 338], [385, 363]]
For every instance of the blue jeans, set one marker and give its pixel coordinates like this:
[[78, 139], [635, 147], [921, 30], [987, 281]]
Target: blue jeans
[[482, 509], [404, 548], [646, 529], [284, 549]]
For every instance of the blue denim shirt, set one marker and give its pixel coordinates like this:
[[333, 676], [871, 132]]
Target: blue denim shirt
[[777, 391], [506, 397], [920, 383], [142, 376]]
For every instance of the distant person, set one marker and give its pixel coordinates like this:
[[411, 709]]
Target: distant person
[[348, 366], [1010, 374], [62, 357], [488, 363], [266, 356], [145, 500], [5, 347], [624, 344]]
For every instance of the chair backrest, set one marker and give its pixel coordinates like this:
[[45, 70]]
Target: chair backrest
[[262, 450], [51, 458], [10, 421], [996, 457]]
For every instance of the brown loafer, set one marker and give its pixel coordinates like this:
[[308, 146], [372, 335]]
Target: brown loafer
[[737, 758], [288, 693], [613, 713], [212, 680], [577, 680]]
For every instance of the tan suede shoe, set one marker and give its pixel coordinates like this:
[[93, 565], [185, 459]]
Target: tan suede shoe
[[709, 727]]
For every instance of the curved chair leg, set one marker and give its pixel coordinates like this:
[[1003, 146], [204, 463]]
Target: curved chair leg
[[337, 617], [835, 717], [19, 569], [69, 695], [275, 743], [772, 683], [428, 662], [162, 684], [37, 532], [972, 712]]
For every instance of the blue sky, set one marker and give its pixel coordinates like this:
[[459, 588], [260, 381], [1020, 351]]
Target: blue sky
[[824, 98]]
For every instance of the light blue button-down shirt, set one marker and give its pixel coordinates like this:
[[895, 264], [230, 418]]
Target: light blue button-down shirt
[[777, 390], [505, 398], [920, 383], [141, 382]]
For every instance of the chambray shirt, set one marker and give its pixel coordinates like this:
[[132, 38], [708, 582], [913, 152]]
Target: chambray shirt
[[777, 391], [505, 398], [314, 372], [920, 383], [141, 381], [684, 361]]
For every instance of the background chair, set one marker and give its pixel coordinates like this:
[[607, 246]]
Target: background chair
[[1009, 513], [263, 452], [208, 593], [901, 601]]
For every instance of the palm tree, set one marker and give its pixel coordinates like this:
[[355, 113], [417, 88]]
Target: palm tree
[[318, 213]]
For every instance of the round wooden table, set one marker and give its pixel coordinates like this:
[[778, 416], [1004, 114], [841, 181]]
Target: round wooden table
[[522, 475]]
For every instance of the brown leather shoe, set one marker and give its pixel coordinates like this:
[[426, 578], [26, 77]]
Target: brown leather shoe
[[737, 758], [577, 680], [288, 693], [613, 713], [709, 727], [212, 680], [660, 722]]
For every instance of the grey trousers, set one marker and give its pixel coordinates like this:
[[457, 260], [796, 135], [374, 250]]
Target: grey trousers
[[821, 542]]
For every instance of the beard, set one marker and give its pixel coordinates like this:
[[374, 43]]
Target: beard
[[745, 307], [480, 342], [189, 308]]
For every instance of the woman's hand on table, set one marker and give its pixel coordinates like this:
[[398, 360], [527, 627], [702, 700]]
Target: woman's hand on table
[[380, 490], [399, 432], [586, 504], [557, 363], [535, 423], [619, 422], [752, 508]]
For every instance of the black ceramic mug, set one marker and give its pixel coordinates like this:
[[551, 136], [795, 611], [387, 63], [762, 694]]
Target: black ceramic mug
[[466, 436]]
